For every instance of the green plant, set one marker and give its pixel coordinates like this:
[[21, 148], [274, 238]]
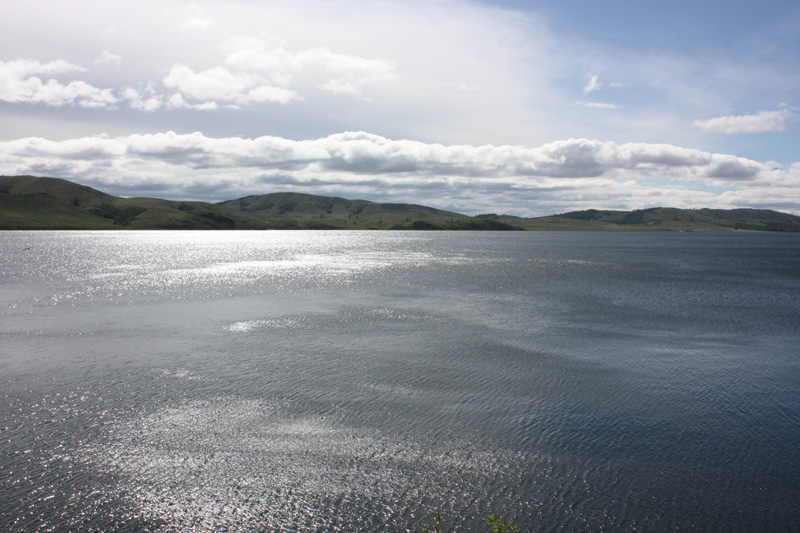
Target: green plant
[[499, 525], [436, 528]]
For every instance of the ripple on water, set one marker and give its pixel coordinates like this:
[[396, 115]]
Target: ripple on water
[[238, 464], [246, 326], [369, 315]]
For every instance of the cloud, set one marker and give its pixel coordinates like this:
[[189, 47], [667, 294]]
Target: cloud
[[761, 122], [334, 72], [19, 83], [598, 105], [29, 67], [257, 72], [592, 85], [364, 153], [218, 84], [733, 168], [144, 100], [107, 58], [557, 176]]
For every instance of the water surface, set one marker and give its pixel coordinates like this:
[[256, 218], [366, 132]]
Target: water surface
[[358, 381]]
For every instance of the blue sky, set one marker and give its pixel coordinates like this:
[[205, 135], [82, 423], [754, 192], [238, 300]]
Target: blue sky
[[527, 108]]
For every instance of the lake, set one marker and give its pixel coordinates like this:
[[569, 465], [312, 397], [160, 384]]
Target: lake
[[360, 381]]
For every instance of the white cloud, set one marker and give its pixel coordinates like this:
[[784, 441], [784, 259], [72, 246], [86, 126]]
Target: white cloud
[[107, 58], [218, 84], [19, 84], [557, 176], [176, 101], [599, 105], [592, 85], [29, 67], [335, 72], [764, 121], [145, 100], [363, 153]]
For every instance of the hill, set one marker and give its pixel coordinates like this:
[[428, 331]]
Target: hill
[[332, 212], [664, 219], [28, 202]]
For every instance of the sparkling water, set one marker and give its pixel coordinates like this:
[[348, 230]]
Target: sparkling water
[[360, 381]]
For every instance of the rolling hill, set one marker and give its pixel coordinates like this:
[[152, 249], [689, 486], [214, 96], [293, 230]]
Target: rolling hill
[[663, 219], [28, 202], [332, 212]]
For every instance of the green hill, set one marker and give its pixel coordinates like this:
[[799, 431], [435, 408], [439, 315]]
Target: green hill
[[331, 212], [28, 202], [665, 219]]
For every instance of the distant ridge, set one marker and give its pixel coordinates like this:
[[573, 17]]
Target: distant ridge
[[29, 202]]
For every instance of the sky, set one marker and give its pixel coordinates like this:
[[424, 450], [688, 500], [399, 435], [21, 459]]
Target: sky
[[525, 108]]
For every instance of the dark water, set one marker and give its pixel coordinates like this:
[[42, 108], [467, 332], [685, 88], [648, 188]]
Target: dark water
[[338, 381]]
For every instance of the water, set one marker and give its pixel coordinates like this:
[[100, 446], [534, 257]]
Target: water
[[359, 381]]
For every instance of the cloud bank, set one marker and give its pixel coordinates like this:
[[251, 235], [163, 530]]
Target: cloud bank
[[555, 177], [761, 122]]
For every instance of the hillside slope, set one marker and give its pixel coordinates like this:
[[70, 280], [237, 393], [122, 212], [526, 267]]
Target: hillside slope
[[665, 219], [28, 202], [333, 212]]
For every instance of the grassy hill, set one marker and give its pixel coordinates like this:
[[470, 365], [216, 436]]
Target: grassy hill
[[331, 212], [28, 202], [663, 219]]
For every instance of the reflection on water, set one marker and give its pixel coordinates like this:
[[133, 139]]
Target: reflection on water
[[340, 381], [240, 465]]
